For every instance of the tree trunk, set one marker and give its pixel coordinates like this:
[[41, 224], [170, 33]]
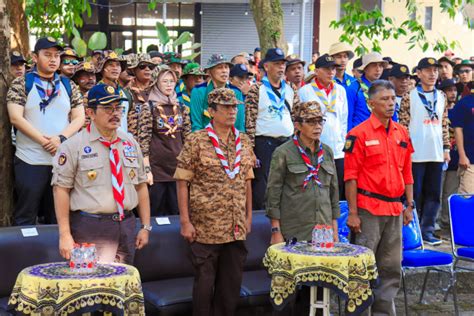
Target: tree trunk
[[19, 26], [268, 17], [6, 155]]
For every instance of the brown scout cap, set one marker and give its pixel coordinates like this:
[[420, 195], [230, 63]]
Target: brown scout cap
[[309, 110], [222, 96]]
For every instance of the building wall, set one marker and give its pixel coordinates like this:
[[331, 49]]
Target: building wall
[[398, 49], [226, 29]]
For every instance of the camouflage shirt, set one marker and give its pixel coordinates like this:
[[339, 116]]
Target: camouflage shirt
[[217, 204], [251, 109], [17, 93]]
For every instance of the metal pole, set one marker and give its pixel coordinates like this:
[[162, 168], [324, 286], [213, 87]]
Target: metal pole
[[164, 12], [302, 17]]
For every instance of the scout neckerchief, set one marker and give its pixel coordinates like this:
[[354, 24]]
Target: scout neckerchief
[[365, 91], [46, 95], [184, 93], [429, 106], [171, 122], [116, 171], [220, 154], [322, 96], [278, 104], [313, 171]]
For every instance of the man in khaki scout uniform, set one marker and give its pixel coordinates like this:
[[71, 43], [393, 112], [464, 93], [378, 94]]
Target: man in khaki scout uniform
[[302, 189], [98, 179], [215, 170]]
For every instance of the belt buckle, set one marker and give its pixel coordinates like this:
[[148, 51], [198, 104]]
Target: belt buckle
[[116, 217]]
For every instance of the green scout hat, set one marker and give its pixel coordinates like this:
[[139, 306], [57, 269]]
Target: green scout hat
[[193, 69]]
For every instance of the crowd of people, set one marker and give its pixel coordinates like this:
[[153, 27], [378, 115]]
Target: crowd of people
[[101, 138]]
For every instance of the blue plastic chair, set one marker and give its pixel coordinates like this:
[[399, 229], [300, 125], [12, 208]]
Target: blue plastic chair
[[460, 208], [342, 228], [415, 256]]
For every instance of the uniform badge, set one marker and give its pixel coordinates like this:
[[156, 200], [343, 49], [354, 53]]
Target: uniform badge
[[110, 90], [17, 54], [62, 159], [207, 114], [130, 152], [51, 39], [349, 144], [279, 52], [132, 174], [113, 55], [92, 175], [403, 69], [87, 149], [87, 66], [431, 61]]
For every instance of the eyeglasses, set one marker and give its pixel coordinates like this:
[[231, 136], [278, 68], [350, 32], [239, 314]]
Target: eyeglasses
[[314, 122], [111, 109], [462, 71], [73, 62], [144, 66], [168, 82]]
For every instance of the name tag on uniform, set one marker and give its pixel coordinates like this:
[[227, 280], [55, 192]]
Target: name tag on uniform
[[129, 151], [372, 142]]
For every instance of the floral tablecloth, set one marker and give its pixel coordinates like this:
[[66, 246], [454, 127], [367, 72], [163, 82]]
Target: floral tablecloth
[[347, 269], [53, 289]]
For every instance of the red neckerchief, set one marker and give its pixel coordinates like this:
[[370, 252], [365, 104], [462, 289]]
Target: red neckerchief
[[326, 89]]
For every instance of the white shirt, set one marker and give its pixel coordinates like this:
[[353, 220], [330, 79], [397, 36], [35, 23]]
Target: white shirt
[[426, 135], [50, 123], [335, 129], [269, 123]]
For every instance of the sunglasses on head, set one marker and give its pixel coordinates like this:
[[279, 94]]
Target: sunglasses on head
[[73, 62], [144, 66]]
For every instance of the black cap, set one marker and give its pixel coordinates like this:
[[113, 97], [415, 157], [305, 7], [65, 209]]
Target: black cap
[[325, 61], [446, 83], [103, 94], [257, 49], [389, 60], [294, 59], [97, 51], [274, 54], [155, 53], [399, 71], [357, 63], [239, 70], [16, 57], [447, 60], [427, 62], [47, 42]]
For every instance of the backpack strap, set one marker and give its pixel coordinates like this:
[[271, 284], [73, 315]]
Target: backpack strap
[[29, 80], [67, 85]]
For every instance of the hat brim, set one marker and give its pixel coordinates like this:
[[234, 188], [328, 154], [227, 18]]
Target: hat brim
[[294, 62], [59, 47], [19, 60], [374, 62], [428, 66], [106, 101], [149, 62], [230, 104], [219, 63], [274, 60], [123, 64], [328, 66], [350, 54]]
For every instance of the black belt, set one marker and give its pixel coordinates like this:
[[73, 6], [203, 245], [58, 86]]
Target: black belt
[[115, 217], [379, 196]]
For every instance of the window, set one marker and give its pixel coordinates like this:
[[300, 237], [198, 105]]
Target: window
[[367, 5], [428, 18]]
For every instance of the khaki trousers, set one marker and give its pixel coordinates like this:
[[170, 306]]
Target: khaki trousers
[[466, 180]]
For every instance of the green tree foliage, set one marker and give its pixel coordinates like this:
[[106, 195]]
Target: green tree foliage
[[360, 26]]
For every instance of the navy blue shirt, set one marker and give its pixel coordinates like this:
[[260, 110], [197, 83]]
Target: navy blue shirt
[[462, 115]]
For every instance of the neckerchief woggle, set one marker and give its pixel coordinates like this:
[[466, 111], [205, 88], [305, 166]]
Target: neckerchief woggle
[[322, 96], [365, 91], [313, 171], [45, 98], [278, 104], [429, 106], [220, 154]]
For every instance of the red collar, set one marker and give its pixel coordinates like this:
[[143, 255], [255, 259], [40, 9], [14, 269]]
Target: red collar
[[326, 89]]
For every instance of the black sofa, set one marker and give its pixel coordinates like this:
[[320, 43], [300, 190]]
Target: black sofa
[[164, 265]]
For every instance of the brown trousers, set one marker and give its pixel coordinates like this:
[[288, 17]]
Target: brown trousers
[[383, 234], [114, 241], [218, 277]]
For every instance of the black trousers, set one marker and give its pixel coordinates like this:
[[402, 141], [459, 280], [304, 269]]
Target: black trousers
[[34, 193], [264, 148], [340, 178], [163, 199], [216, 289]]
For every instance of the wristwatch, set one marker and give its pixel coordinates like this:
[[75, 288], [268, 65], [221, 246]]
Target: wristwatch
[[62, 138], [146, 227], [413, 205], [275, 230], [147, 169]]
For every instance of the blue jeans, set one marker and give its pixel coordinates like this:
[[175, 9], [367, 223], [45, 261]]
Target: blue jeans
[[427, 193]]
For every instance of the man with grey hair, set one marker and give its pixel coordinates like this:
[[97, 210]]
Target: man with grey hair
[[377, 173]]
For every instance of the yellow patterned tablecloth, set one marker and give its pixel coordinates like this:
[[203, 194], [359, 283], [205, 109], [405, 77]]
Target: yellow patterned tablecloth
[[53, 289], [347, 269]]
